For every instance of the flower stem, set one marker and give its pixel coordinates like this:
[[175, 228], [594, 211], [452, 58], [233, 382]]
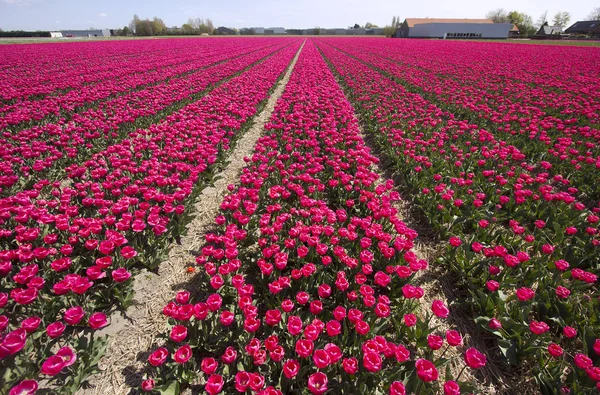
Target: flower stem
[[461, 372]]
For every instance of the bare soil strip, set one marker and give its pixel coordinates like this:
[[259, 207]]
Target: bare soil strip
[[132, 337]]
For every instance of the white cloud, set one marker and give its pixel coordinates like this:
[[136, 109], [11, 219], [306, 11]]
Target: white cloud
[[58, 22], [103, 15]]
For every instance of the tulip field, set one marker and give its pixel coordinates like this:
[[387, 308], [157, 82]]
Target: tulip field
[[309, 280]]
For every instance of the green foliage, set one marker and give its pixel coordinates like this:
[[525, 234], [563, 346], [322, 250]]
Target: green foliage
[[201, 26], [561, 19], [147, 27], [498, 16]]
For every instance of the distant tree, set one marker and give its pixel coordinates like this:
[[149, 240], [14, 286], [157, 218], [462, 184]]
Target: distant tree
[[561, 19], [209, 24], [194, 23], [370, 25], [146, 27], [390, 30], [527, 25], [245, 31], [356, 26], [158, 27], [125, 31], [523, 22], [187, 28], [498, 16], [133, 23], [317, 31], [594, 15], [543, 19], [201, 26]]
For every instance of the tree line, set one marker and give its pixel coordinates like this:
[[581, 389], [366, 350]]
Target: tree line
[[157, 27], [524, 21]]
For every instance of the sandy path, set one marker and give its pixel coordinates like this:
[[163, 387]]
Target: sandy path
[[131, 338]]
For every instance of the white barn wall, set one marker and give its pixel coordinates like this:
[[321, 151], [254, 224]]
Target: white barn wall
[[439, 30]]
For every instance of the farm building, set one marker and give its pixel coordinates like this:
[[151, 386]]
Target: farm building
[[348, 32], [514, 32], [361, 31], [377, 31], [268, 31], [274, 30], [335, 32], [225, 31], [452, 28], [86, 33], [296, 32], [584, 28], [547, 31]]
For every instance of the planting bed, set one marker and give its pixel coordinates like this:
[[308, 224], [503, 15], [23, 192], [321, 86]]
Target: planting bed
[[307, 279]]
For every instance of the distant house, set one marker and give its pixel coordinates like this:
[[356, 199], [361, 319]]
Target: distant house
[[225, 31], [584, 28], [361, 31], [337, 32], [547, 31], [86, 33], [55, 34], [269, 31], [378, 31], [452, 28], [514, 32], [296, 32]]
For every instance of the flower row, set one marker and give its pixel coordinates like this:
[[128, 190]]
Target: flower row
[[560, 127], [32, 155], [123, 79], [68, 249], [309, 281], [33, 71], [518, 238]]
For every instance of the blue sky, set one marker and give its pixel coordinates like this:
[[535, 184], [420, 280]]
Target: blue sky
[[82, 14]]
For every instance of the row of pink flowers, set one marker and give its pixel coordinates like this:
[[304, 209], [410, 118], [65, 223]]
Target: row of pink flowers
[[136, 72], [562, 122], [30, 155], [519, 238], [69, 250], [309, 280], [41, 69]]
